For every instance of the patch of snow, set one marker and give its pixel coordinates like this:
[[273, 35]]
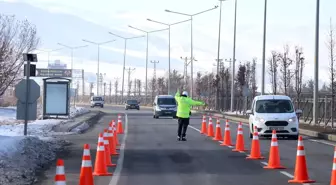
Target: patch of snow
[[22, 156]]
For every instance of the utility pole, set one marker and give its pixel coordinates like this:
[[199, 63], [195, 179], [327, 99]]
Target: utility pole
[[116, 84], [154, 73], [91, 88], [83, 83], [110, 93], [104, 89], [129, 71], [135, 87], [186, 64], [316, 64]]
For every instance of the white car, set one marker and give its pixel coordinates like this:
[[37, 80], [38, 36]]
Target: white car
[[274, 112]]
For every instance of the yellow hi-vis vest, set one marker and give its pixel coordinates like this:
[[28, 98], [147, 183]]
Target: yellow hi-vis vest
[[184, 104]]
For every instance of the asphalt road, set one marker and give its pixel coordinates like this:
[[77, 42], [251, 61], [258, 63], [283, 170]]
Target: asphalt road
[[151, 156]]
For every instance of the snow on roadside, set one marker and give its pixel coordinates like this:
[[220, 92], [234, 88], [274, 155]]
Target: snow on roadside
[[25, 156]]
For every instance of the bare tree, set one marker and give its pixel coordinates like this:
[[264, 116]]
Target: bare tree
[[299, 65], [129, 88], [116, 86], [135, 88], [139, 87], [248, 74], [273, 64], [16, 37], [253, 78], [331, 48], [285, 63]]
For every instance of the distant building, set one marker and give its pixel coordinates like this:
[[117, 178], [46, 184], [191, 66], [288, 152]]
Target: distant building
[[57, 64]]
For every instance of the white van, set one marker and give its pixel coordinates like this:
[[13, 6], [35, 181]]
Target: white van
[[97, 101], [274, 112], [164, 106]]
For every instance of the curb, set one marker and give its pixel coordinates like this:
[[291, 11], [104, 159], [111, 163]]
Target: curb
[[89, 120], [306, 132]]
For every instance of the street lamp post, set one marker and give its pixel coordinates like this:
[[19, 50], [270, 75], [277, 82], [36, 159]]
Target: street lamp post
[[316, 64], [98, 46], [166, 24], [72, 49], [191, 47], [264, 52], [123, 76], [234, 58], [147, 33]]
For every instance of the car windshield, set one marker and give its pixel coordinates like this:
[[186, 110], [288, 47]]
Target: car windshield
[[166, 101], [97, 99], [274, 106], [132, 102]]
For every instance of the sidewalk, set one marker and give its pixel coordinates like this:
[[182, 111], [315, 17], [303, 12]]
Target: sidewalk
[[305, 129]]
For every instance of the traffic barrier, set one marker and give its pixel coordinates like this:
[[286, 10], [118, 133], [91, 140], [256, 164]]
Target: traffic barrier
[[86, 177], [60, 173], [240, 139], [100, 168], [120, 129], [301, 171], [333, 173], [107, 149], [115, 133], [274, 155], [112, 140], [255, 147], [204, 125], [218, 134], [210, 128], [227, 135]]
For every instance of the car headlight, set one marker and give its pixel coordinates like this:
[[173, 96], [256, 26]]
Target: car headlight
[[260, 120], [292, 120]]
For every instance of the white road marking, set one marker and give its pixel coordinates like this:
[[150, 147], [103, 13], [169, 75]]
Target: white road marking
[[287, 174], [323, 142], [264, 163], [117, 171]]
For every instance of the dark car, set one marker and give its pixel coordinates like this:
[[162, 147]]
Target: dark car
[[132, 104]]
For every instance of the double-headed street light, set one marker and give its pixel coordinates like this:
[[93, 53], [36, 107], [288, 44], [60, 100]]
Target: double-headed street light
[[49, 51], [148, 32], [72, 49], [98, 45], [166, 24], [123, 77], [192, 55]]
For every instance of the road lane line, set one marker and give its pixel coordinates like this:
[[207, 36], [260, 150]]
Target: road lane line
[[264, 163], [117, 171]]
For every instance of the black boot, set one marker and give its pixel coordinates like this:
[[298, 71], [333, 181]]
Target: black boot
[[184, 139], [178, 138]]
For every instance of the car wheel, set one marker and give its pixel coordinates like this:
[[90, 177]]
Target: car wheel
[[251, 134], [296, 137]]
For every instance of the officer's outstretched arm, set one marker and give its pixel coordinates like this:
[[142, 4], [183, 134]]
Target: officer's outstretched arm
[[177, 95], [195, 103]]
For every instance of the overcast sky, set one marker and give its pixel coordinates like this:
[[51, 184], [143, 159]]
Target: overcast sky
[[289, 22]]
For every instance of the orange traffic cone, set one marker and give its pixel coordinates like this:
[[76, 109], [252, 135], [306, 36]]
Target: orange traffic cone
[[333, 173], [107, 149], [274, 155], [120, 127], [240, 140], [227, 135], [218, 135], [100, 167], [255, 147], [301, 171], [112, 143], [60, 173], [85, 177], [210, 128], [115, 133], [204, 126]]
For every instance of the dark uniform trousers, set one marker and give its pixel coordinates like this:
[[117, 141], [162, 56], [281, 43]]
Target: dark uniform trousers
[[182, 126]]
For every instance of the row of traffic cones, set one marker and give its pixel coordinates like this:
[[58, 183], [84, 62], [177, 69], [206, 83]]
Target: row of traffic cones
[[106, 147], [301, 171]]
